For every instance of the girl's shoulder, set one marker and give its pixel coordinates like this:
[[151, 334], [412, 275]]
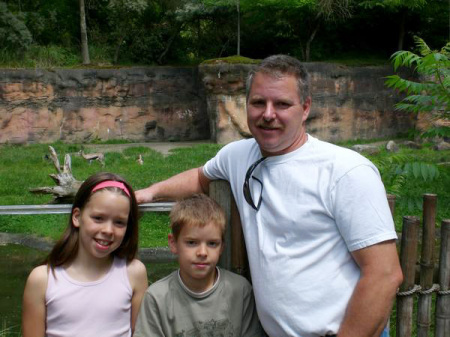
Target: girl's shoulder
[[38, 279], [39, 274], [137, 272]]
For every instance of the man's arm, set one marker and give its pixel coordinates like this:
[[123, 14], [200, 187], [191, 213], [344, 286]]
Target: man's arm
[[181, 185], [370, 305]]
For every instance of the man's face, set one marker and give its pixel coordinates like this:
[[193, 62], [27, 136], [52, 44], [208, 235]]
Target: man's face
[[275, 114]]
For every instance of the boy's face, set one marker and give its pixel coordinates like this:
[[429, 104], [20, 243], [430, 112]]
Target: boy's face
[[198, 250]]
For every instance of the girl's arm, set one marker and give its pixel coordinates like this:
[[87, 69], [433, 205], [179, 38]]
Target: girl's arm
[[33, 307], [137, 274]]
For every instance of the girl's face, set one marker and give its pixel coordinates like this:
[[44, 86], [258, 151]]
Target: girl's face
[[102, 223]]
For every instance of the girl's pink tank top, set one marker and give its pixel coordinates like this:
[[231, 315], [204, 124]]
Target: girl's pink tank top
[[99, 308]]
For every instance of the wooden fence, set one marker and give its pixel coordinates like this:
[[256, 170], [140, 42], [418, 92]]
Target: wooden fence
[[426, 282]]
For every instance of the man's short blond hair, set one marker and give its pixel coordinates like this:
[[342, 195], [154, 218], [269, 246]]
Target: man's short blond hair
[[197, 210]]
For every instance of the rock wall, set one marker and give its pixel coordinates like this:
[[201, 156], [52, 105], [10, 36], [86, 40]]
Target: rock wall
[[75, 105], [347, 102], [182, 104]]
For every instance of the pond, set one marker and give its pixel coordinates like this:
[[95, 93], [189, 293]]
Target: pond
[[16, 262]]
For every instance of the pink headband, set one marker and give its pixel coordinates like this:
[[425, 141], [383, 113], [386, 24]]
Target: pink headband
[[111, 183]]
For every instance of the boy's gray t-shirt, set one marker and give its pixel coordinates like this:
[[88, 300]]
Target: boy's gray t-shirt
[[170, 309]]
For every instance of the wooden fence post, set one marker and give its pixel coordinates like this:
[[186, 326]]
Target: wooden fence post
[[220, 191], [391, 202], [443, 297], [426, 265], [239, 260], [408, 258], [234, 256]]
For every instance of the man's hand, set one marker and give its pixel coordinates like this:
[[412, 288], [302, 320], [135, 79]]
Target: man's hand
[[145, 195]]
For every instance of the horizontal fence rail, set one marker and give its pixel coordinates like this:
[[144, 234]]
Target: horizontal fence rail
[[66, 208]]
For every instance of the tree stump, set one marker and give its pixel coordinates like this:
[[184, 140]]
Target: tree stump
[[67, 184]]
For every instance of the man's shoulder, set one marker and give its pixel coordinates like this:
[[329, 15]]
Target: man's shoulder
[[243, 145], [338, 154]]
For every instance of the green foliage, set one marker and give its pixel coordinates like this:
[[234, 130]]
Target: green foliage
[[181, 32], [431, 93], [398, 169], [409, 174], [14, 35], [394, 4]]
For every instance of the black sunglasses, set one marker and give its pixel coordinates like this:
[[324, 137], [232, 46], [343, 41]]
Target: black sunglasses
[[246, 188]]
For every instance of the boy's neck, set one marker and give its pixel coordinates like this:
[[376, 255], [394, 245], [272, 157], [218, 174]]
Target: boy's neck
[[199, 286]]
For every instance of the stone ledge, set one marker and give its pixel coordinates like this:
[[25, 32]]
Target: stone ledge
[[160, 254]]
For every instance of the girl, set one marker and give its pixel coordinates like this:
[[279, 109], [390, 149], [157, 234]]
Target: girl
[[91, 284]]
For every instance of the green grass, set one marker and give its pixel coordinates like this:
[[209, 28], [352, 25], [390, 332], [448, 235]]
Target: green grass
[[25, 166]]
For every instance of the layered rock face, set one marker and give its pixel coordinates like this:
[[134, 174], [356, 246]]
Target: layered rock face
[[76, 105], [347, 102], [182, 104]]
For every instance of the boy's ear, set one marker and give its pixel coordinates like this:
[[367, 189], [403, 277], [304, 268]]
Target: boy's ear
[[222, 247], [172, 244], [76, 217]]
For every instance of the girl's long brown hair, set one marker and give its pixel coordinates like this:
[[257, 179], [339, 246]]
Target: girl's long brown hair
[[66, 248]]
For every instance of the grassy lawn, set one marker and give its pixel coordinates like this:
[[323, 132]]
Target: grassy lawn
[[25, 167]]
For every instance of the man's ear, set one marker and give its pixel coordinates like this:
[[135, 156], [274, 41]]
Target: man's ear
[[76, 214], [306, 108], [172, 244]]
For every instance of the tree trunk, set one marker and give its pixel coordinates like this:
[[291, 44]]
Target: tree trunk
[[401, 30], [238, 28], [84, 39], [311, 38], [116, 53], [169, 43]]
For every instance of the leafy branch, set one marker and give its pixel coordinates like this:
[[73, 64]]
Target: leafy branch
[[432, 92]]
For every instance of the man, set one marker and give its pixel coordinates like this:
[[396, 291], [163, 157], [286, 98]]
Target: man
[[317, 226]]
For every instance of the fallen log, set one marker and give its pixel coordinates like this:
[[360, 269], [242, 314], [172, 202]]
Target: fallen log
[[67, 185]]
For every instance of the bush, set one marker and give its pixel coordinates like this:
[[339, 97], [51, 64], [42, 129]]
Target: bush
[[14, 34]]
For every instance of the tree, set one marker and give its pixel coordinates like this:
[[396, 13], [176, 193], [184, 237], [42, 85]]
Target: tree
[[14, 35], [431, 92], [124, 16], [84, 39], [307, 16], [326, 11], [402, 7]]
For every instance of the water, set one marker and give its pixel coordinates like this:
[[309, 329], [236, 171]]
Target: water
[[16, 262]]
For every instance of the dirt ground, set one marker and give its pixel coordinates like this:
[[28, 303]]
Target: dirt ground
[[163, 147]]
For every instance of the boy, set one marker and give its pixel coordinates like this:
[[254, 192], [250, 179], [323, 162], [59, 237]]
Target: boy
[[199, 299]]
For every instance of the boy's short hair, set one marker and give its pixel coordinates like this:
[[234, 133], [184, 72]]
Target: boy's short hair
[[197, 210]]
